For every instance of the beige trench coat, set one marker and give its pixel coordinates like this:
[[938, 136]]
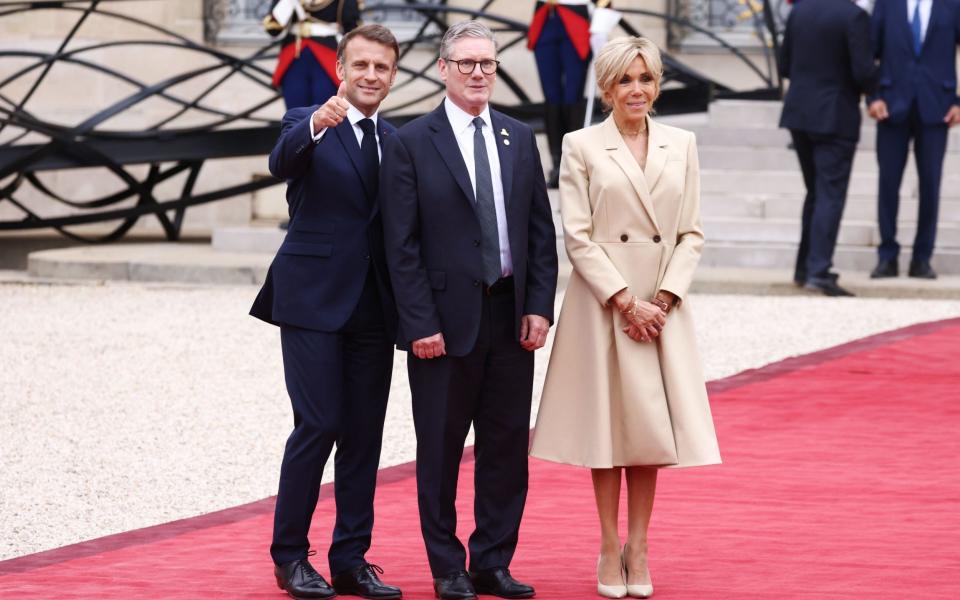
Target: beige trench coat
[[608, 400]]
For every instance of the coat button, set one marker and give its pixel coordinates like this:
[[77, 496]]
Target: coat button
[[656, 239], [624, 238], [476, 283], [476, 243], [366, 257]]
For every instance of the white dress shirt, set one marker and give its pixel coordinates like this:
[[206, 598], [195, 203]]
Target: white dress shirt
[[462, 123], [354, 116], [925, 7]]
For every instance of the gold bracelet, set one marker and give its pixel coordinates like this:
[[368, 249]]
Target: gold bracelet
[[632, 308]]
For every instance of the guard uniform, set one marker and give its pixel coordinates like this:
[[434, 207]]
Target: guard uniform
[[559, 36], [306, 68]]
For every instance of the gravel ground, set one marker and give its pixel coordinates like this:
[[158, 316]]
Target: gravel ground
[[123, 406]]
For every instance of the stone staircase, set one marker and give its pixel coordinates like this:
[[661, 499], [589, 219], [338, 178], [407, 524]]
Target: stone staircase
[[752, 194]]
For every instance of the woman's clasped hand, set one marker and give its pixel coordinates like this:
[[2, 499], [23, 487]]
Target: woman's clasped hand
[[645, 320]]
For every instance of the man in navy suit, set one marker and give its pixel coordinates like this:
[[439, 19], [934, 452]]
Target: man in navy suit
[[827, 56], [916, 42], [473, 261], [329, 291]]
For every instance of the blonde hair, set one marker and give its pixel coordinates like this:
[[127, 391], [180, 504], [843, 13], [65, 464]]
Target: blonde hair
[[618, 54]]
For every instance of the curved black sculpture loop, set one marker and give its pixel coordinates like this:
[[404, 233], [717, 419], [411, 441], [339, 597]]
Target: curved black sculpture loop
[[31, 146]]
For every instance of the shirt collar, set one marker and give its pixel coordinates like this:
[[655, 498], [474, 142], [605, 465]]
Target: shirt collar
[[354, 115], [460, 119]]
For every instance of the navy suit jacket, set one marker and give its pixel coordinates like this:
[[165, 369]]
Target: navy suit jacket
[[433, 234], [335, 234], [827, 56], [931, 78]]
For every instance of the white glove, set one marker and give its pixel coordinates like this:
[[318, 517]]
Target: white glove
[[601, 24]]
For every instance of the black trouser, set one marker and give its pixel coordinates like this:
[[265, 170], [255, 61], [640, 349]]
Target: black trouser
[[825, 161], [929, 148], [338, 384], [490, 387]]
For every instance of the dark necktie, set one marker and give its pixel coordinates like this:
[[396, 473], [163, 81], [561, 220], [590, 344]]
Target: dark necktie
[[917, 32], [486, 209], [371, 159]]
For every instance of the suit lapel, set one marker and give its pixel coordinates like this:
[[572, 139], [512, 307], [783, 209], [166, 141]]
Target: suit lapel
[[935, 13], [446, 144], [656, 154], [383, 130], [501, 136], [348, 140], [905, 22], [618, 150]]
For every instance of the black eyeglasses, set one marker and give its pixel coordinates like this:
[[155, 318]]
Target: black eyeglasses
[[467, 65]]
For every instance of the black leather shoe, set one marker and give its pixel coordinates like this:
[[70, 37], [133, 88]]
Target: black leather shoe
[[498, 582], [455, 586], [922, 270], [826, 286], [364, 582], [885, 268], [553, 178], [299, 579], [800, 277]]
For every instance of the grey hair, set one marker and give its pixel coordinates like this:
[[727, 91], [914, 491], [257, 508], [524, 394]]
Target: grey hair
[[464, 29]]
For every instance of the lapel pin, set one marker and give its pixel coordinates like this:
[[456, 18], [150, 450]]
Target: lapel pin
[[506, 142], [503, 131]]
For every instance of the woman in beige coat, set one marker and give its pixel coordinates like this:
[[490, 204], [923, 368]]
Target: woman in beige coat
[[624, 389]]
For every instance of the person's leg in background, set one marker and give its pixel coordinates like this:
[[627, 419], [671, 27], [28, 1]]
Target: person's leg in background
[[930, 146], [893, 142]]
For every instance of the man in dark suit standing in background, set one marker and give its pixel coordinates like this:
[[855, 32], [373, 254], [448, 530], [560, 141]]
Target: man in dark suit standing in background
[[916, 42], [826, 54], [473, 261], [328, 289]]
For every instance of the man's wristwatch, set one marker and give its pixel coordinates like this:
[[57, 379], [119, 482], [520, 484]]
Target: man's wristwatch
[[663, 304]]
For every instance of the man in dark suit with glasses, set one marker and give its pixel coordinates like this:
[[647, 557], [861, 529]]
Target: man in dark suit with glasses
[[473, 260]]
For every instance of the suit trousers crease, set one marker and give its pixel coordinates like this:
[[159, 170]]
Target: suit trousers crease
[[491, 388], [338, 384], [826, 162], [929, 147]]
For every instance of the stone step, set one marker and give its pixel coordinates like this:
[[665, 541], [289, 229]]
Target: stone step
[[765, 115], [741, 181], [199, 264], [264, 238], [779, 282], [783, 255], [745, 113], [756, 137], [788, 206], [852, 232], [166, 262], [782, 158]]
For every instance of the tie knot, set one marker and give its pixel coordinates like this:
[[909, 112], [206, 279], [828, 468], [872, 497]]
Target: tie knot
[[366, 125], [478, 123]]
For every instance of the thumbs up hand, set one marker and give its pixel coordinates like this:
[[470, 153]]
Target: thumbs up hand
[[333, 111]]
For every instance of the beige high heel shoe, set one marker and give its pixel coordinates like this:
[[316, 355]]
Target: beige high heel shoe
[[636, 590], [612, 591]]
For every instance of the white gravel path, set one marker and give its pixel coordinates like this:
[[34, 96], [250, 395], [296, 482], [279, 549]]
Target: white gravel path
[[123, 406]]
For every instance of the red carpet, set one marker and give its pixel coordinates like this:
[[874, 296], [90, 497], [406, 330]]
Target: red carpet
[[840, 480]]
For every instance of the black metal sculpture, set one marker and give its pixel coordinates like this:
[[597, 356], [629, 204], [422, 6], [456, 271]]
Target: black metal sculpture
[[31, 145]]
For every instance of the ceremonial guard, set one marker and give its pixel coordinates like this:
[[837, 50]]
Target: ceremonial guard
[[561, 36], [306, 68]]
